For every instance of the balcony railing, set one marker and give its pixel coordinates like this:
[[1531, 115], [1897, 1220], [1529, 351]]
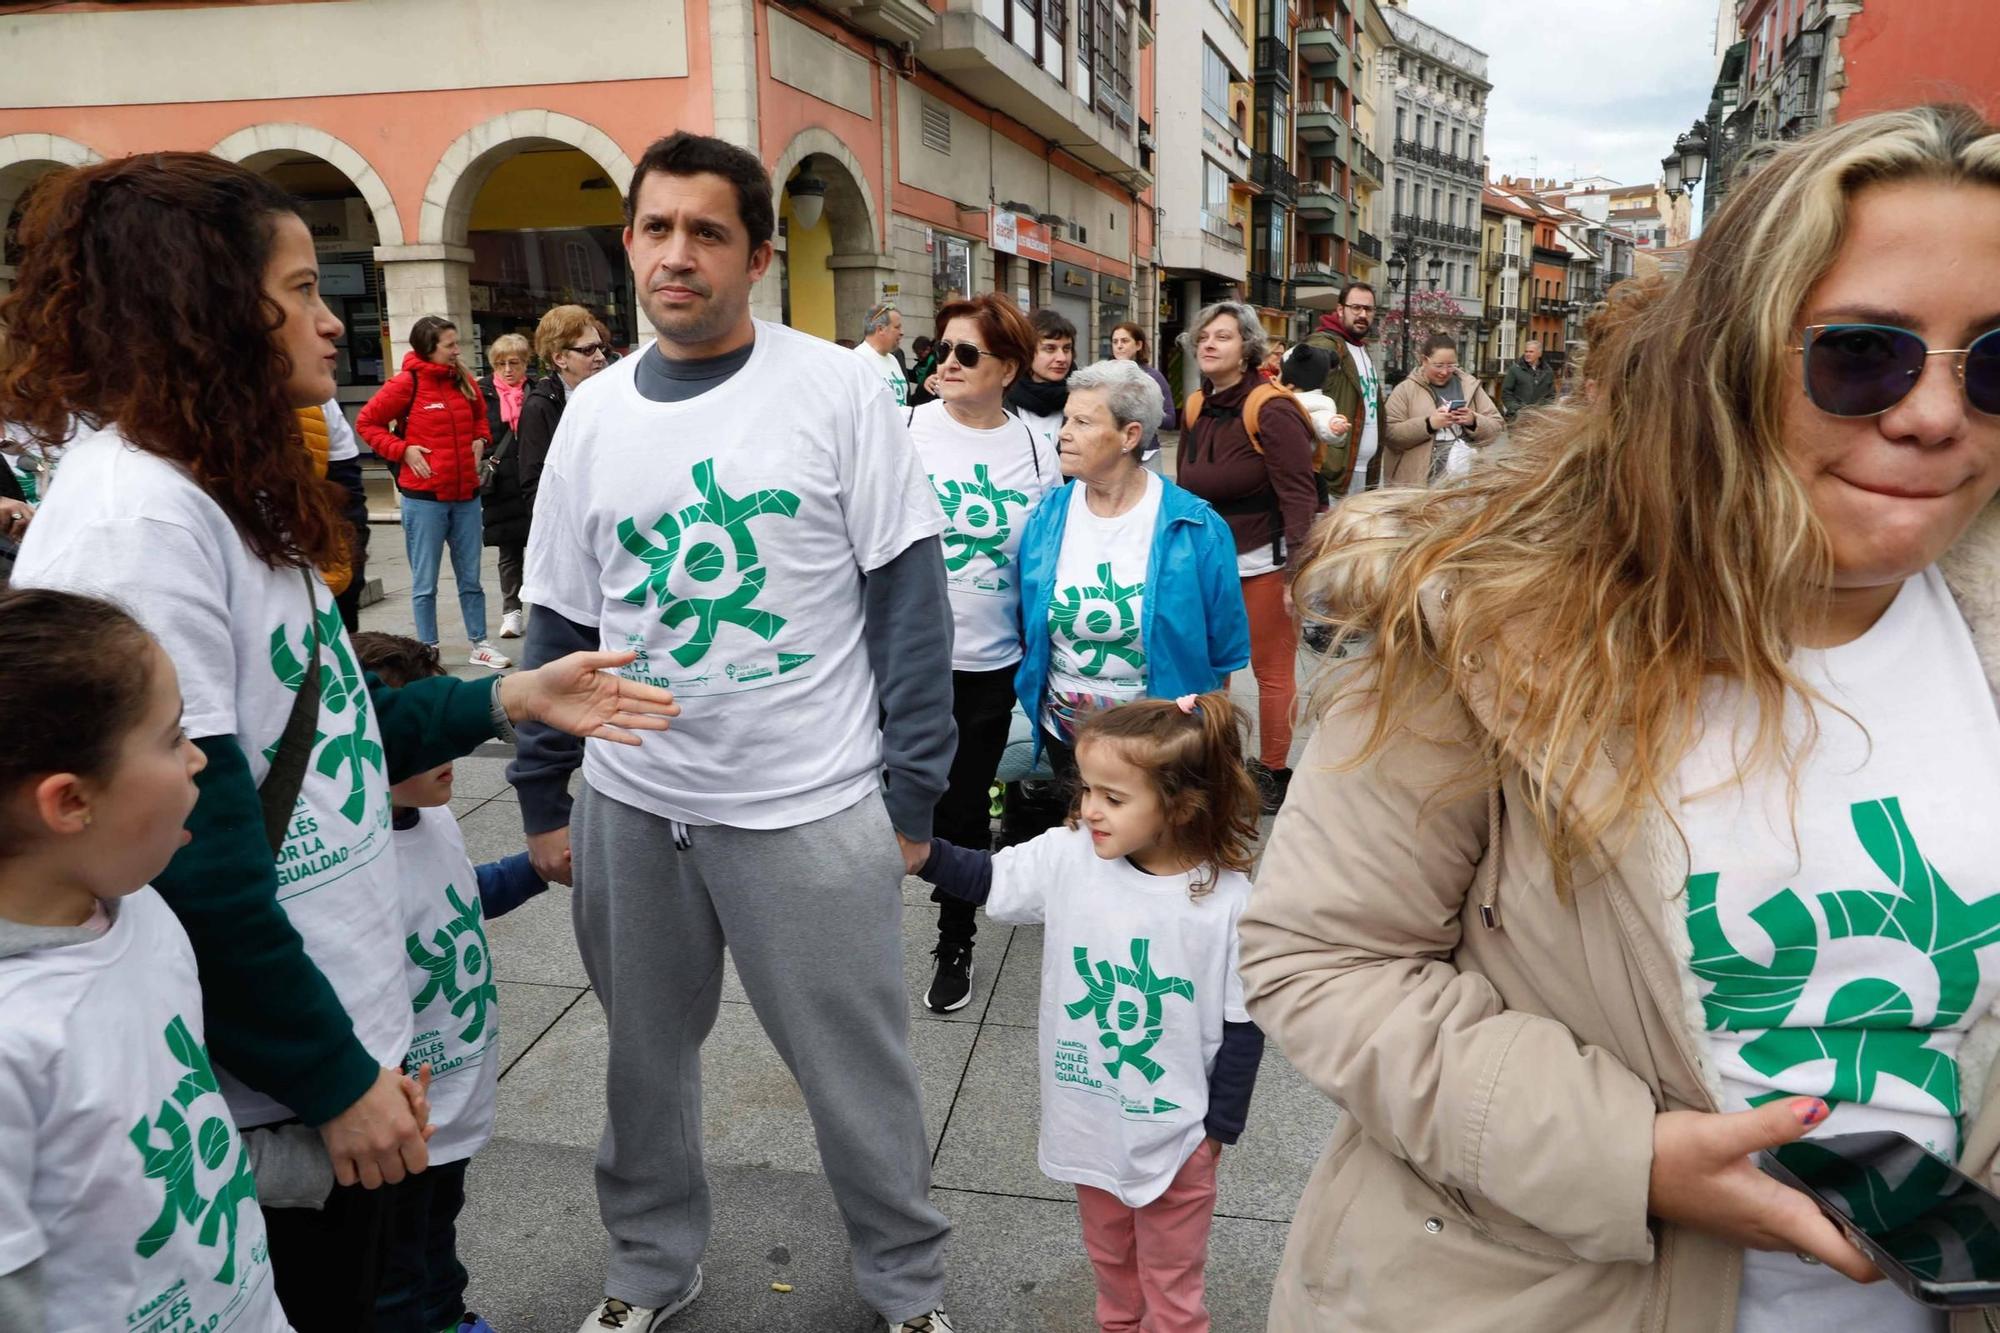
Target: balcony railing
[[1367, 162], [1315, 275], [1218, 227], [1409, 150], [1266, 290], [1368, 243], [1320, 45], [1275, 175], [1274, 60]]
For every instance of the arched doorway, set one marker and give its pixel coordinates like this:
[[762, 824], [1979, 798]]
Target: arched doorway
[[347, 206], [24, 160], [829, 273], [536, 200]]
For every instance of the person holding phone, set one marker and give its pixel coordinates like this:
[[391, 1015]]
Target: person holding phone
[[1647, 824], [1435, 418]]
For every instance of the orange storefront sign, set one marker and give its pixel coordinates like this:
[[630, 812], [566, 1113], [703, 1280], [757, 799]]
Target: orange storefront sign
[[1018, 234]]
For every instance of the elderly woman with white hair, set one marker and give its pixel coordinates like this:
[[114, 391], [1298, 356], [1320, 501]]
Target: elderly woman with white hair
[[1129, 587], [1248, 450]]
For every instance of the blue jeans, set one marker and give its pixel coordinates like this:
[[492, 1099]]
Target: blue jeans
[[423, 1282], [428, 527]]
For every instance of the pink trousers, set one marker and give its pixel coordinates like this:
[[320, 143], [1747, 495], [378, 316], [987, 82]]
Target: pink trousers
[[1149, 1260]]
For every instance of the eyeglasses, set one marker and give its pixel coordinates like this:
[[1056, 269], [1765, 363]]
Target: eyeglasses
[[1360, 309], [1863, 370], [587, 350], [964, 353]]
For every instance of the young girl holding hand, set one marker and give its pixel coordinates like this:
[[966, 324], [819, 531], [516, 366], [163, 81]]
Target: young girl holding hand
[[1147, 1056]]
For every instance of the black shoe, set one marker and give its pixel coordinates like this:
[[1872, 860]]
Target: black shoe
[[1272, 785], [951, 986]]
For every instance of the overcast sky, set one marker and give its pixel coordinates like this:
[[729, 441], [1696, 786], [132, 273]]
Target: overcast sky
[[1585, 87]]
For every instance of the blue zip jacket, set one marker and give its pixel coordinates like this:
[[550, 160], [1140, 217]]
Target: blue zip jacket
[[1192, 621]]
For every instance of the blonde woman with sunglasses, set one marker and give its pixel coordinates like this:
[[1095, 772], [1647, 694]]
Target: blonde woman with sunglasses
[[1652, 826]]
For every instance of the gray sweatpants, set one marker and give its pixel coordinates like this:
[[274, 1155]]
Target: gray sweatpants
[[813, 917]]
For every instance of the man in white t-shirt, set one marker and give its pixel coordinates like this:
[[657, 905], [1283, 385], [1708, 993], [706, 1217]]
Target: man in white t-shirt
[[881, 336], [1355, 388], [741, 505]]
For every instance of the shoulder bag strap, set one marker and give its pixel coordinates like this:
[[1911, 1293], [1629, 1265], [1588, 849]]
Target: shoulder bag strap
[[280, 789]]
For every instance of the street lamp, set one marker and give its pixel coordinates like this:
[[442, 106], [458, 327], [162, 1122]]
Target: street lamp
[[1403, 263], [1693, 148], [1670, 174]]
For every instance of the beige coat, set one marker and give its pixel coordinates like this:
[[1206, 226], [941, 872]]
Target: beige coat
[[1407, 443], [1501, 1054]]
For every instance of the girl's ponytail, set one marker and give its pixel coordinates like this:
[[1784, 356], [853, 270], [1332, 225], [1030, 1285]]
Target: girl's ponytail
[[1192, 749]]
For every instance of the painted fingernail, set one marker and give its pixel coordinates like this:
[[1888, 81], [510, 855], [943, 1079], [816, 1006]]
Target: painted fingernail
[[1812, 1112]]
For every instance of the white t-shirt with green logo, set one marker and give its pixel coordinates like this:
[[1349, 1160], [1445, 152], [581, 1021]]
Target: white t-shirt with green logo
[[1137, 980], [887, 369], [134, 529], [449, 971], [120, 1168], [1371, 428], [725, 539], [987, 482], [1848, 962], [1097, 648]]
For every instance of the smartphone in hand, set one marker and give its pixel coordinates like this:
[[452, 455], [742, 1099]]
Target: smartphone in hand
[[1932, 1230]]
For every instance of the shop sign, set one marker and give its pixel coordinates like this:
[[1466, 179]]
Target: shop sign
[[1113, 291], [1018, 234], [1071, 280]]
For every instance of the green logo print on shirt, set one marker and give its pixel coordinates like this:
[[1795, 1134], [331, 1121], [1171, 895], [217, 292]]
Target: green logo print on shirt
[[341, 691], [1101, 622], [1130, 1026], [979, 521], [459, 969], [705, 561], [168, 1151], [1871, 1022]]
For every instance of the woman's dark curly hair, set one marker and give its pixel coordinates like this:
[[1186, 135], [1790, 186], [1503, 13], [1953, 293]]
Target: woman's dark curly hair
[[139, 303]]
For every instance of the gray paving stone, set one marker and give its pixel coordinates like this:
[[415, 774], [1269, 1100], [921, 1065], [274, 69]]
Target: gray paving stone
[[462, 805], [535, 942], [1262, 1175], [752, 1112], [531, 1238], [1017, 995], [1018, 1265], [526, 1012], [473, 775], [989, 1143]]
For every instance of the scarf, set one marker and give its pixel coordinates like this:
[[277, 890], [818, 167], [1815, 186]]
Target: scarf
[[510, 396], [1038, 398], [1331, 323], [318, 440]]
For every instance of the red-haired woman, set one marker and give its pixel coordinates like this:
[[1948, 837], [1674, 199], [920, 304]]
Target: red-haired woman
[[195, 504], [430, 420], [989, 470]]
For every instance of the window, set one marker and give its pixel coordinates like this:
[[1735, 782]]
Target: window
[[1035, 26], [1399, 197], [1215, 82], [1100, 52], [1400, 126], [1454, 142], [1437, 134], [1452, 207], [1420, 129], [1472, 147], [1437, 204]]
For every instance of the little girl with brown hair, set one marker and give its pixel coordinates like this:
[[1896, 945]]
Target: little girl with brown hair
[[1147, 1056]]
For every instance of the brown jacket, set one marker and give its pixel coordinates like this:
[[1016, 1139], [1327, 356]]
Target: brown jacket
[[1407, 442], [1500, 1053], [1265, 495]]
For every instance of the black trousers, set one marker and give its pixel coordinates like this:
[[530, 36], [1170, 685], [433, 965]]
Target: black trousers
[[513, 559], [328, 1263], [423, 1282], [982, 703], [347, 472]]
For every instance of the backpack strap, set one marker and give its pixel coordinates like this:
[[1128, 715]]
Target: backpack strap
[[279, 792]]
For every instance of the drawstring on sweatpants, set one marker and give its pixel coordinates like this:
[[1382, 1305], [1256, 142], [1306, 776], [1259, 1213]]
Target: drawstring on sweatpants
[[683, 835]]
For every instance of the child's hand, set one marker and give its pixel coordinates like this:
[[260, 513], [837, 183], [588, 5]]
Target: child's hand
[[418, 1090], [914, 853]]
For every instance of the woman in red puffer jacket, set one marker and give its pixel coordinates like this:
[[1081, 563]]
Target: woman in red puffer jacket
[[439, 439]]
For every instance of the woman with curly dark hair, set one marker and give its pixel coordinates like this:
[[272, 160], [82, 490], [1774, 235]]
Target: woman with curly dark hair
[[195, 504]]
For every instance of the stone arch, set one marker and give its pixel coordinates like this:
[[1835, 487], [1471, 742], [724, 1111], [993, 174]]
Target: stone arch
[[26, 158], [848, 200], [464, 167], [255, 144]]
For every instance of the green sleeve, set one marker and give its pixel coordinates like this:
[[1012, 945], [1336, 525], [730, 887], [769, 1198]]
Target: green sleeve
[[431, 722], [273, 1019]]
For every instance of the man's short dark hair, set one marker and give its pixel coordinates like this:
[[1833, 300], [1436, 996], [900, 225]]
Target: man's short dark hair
[[1354, 287], [1051, 324], [684, 154]]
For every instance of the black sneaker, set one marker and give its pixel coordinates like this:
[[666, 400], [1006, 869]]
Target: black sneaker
[[951, 986], [1272, 785]]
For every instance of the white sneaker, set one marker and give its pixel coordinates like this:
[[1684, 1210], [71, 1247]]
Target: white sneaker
[[486, 655], [510, 625], [616, 1314], [934, 1322]]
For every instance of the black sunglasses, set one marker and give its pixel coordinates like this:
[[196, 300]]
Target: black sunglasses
[[964, 353], [1863, 370], [589, 350]]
